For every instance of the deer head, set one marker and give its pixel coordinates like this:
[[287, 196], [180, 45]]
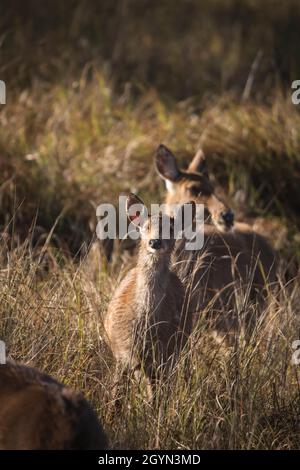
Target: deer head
[[157, 231], [192, 184]]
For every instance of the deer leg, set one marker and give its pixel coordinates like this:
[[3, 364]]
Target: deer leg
[[114, 403]]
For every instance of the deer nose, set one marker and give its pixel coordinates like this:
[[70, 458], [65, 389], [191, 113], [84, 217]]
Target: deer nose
[[228, 217], [155, 244]]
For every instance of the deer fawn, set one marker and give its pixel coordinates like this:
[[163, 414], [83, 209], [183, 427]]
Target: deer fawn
[[145, 322], [234, 258], [37, 412]]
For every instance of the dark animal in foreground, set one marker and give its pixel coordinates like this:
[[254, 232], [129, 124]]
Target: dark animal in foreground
[[39, 413]]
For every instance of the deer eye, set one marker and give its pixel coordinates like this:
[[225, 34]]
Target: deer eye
[[194, 190]]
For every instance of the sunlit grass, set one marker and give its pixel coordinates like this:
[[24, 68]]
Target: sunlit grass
[[245, 396], [64, 149]]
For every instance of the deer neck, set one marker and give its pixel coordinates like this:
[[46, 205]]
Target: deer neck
[[152, 281]]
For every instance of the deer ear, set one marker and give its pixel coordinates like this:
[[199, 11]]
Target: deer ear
[[166, 164], [198, 163], [136, 210]]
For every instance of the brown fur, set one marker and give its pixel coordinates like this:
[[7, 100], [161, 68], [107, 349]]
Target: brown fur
[[39, 413], [145, 322], [230, 270], [192, 184], [233, 264]]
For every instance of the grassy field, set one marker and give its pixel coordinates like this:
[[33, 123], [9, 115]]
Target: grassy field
[[81, 126]]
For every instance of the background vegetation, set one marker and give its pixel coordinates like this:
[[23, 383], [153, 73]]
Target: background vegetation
[[92, 89]]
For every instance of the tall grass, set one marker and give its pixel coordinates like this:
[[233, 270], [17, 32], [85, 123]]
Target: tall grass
[[86, 109], [183, 49], [67, 149], [242, 397]]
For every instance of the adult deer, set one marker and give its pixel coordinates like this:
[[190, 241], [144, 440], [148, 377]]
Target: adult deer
[[39, 413], [235, 265], [192, 184]]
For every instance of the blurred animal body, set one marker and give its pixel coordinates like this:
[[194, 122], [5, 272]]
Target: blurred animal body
[[39, 413]]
